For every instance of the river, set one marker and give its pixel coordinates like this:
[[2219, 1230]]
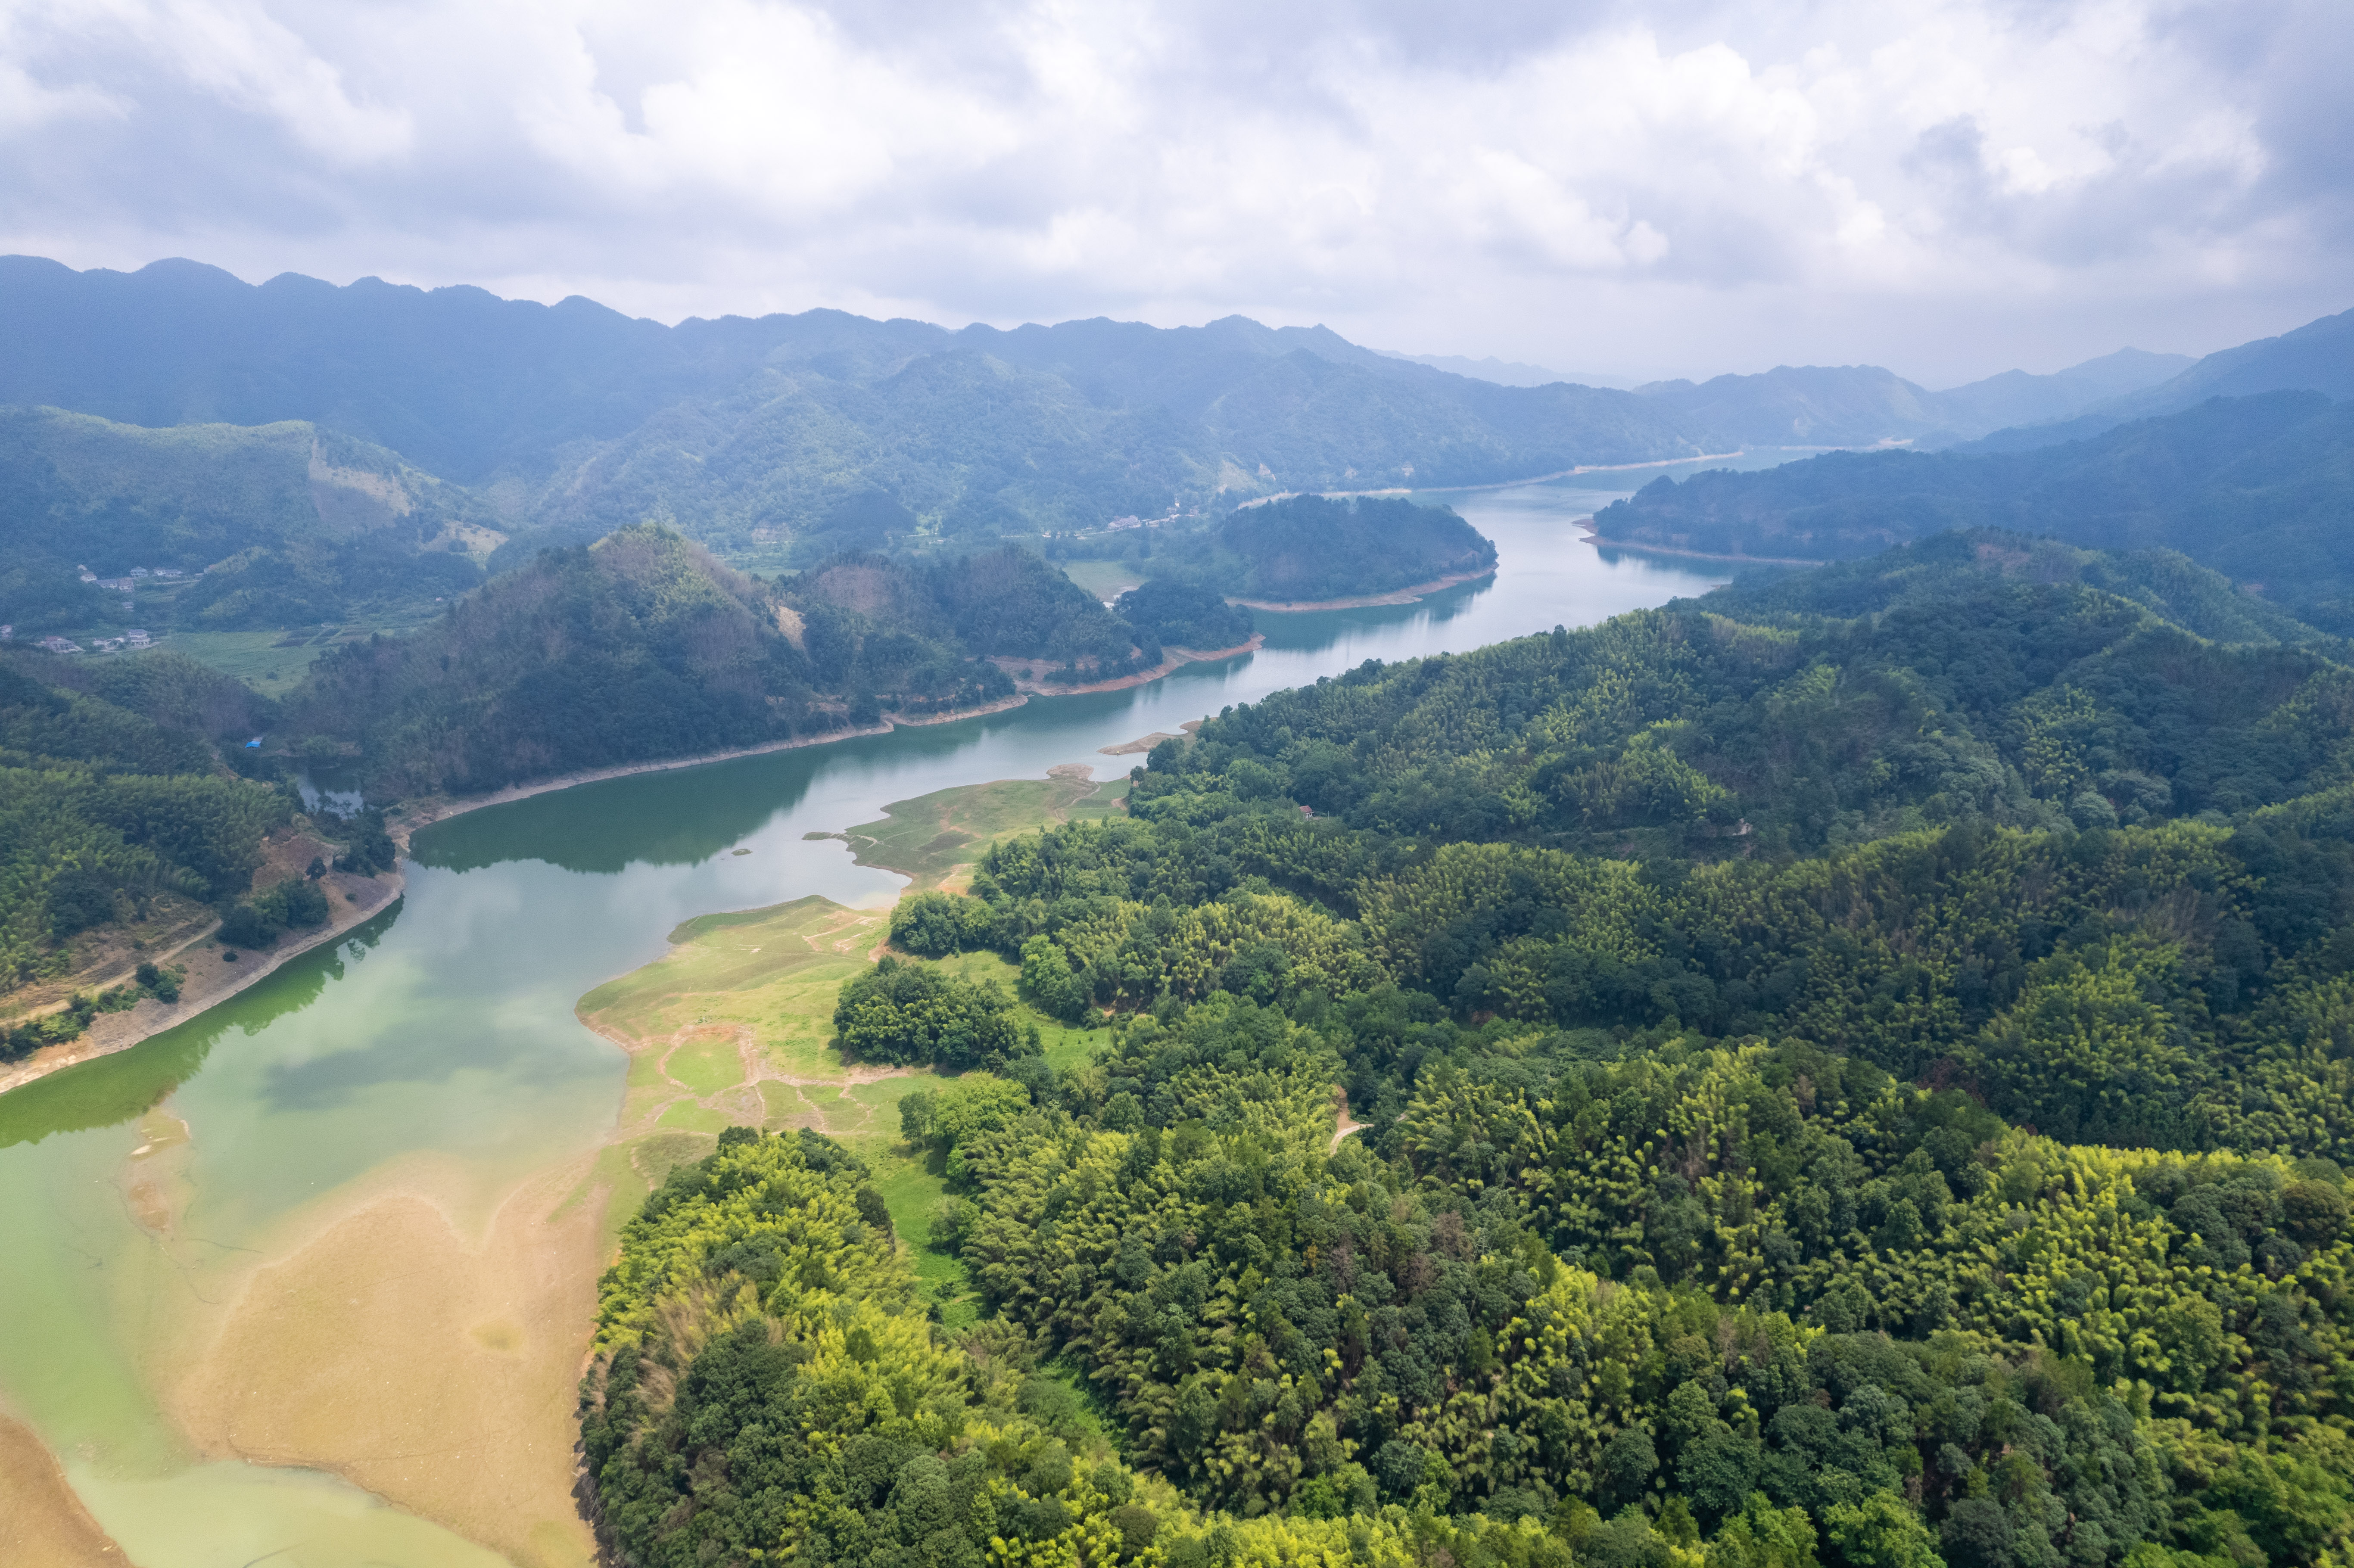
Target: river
[[253, 1237]]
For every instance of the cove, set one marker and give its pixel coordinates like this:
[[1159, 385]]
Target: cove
[[307, 1280]]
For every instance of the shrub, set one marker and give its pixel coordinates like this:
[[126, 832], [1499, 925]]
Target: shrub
[[910, 1013]]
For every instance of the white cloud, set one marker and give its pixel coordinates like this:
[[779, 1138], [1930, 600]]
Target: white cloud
[[1947, 187]]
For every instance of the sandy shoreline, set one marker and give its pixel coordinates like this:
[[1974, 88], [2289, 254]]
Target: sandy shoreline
[[210, 980], [1173, 660], [1367, 602], [1597, 541], [431, 809], [41, 1518]]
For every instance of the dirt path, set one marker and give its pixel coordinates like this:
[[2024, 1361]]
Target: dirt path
[[1344, 1123]]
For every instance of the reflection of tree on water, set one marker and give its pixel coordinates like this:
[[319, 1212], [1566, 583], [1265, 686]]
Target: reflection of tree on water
[[673, 817], [111, 1090]]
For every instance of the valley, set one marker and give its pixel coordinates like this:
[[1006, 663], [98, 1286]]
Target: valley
[[429, 1063]]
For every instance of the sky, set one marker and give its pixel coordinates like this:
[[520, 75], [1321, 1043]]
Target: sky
[[1947, 187]]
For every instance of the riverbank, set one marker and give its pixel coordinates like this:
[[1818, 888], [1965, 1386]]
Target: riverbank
[[210, 979], [1598, 542], [1173, 660], [1367, 601], [431, 809]]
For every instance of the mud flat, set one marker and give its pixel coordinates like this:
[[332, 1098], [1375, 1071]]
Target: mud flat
[[934, 839], [422, 1351]]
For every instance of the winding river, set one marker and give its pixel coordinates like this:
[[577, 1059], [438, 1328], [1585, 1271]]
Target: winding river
[[356, 1203]]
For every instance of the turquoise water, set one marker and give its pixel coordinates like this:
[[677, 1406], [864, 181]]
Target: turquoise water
[[443, 1031]]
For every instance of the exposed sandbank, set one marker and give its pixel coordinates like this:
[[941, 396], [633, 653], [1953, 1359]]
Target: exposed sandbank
[[424, 1354], [42, 1523], [1145, 743], [1173, 660], [1367, 602]]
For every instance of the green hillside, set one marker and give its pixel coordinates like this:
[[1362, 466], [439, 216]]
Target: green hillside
[[270, 525], [644, 646], [1309, 547], [2256, 488], [112, 793], [1846, 1072]]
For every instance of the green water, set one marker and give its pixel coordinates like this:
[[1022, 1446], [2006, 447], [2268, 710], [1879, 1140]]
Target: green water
[[445, 1029]]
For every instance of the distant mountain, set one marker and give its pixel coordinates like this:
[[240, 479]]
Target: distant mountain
[[576, 418], [1069, 427], [2317, 358], [2256, 488], [1942, 568], [1862, 405], [2015, 398], [1802, 406], [786, 439], [1509, 373], [224, 526]]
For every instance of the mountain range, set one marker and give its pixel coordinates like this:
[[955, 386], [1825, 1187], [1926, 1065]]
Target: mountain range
[[779, 439], [2257, 488]]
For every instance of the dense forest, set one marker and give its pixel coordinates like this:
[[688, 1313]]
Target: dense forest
[[1851, 1070], [2252, 487], [1310, 547], [112, 794], [645, 646]]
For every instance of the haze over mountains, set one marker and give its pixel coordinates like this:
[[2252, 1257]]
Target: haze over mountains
[[575, 418], [476, 430]]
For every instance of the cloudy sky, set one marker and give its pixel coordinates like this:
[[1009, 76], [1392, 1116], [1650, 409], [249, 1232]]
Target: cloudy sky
[[1949, 187]]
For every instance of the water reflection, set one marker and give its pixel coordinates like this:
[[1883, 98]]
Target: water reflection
[[126, 1085]]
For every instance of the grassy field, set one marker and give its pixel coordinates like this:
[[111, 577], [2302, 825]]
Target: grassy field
[[270, 663], [734, 1024], [1105, 579], [935, 837]]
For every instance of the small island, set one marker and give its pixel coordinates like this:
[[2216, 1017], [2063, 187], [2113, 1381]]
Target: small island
[[1314, 552]]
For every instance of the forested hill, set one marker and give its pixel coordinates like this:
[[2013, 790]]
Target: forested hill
[[644, 646], [270, 525], [1972, 677], [1309, 547], [1852, 1073], [111, 794], [2256, 488]]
